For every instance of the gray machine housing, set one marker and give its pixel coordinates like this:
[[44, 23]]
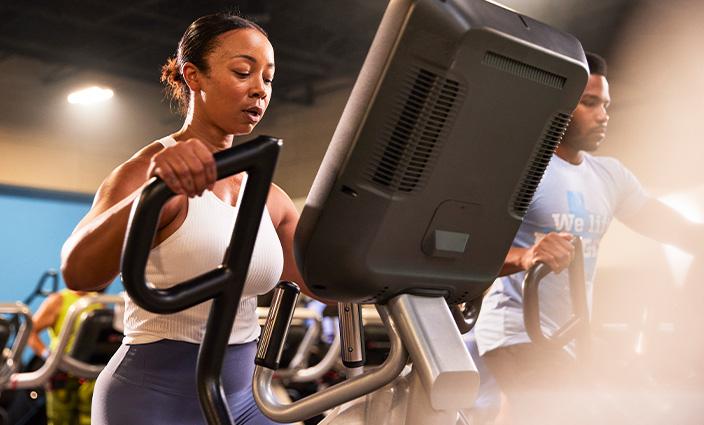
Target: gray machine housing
[[444, 139]]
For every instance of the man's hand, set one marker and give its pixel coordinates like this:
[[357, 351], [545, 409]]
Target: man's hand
[[554, 249]]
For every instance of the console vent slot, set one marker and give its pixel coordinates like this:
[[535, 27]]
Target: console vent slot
[[539, 161], [418, 122], [523, 70]]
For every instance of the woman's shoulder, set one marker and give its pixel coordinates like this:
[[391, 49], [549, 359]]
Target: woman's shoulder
[[140, 160], [280, 205], [146, 153], [129, 175]]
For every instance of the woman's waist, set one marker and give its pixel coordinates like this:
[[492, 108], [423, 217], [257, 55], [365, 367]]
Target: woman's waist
[[189, 325], [170, 366]]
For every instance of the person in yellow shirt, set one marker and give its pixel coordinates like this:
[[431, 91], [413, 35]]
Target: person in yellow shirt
[[68, 398]]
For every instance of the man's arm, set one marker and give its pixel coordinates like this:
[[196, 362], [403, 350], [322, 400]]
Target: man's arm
[[554, 249], [662, 223]]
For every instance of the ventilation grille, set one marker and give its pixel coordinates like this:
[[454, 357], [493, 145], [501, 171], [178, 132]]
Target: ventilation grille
[[538, 162], [409, 144], [523, 70]]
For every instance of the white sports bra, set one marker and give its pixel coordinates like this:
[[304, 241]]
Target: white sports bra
[[196, 247]]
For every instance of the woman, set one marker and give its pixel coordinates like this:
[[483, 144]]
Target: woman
[[68, 397], [222, 77]]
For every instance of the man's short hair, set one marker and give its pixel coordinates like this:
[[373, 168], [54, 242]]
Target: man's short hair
[[597, 64]]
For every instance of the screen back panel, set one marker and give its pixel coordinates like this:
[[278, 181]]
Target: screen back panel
[[446, 135]]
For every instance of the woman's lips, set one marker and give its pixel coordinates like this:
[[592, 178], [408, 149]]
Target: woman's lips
[[253, 115]]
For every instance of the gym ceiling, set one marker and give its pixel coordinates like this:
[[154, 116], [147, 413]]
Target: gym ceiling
[[317, 42], [314, 40], [49, 47]]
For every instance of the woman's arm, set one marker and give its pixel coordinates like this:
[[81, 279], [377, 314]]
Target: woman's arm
[[90, 258], [44, 317]]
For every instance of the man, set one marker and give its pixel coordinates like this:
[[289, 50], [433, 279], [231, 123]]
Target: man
[[578, 196]]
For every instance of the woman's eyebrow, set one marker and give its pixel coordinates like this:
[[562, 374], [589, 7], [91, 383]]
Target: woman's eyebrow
[[251, 59]]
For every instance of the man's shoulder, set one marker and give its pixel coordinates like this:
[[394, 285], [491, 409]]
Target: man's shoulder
[[607, 164], [604, 161]]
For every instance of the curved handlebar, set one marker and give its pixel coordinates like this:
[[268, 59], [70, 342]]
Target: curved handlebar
[[58, 359], [224, 284], [338, 394], [11, 363], [257, 158], [325, 364], [466, 315], [50, 275], [297, 365], [577, 327], [296, 371]]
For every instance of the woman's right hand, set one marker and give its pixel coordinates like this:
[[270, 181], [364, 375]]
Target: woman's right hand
[[187, 168]]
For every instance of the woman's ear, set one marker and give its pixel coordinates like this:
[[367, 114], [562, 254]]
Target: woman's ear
[[191, 74]]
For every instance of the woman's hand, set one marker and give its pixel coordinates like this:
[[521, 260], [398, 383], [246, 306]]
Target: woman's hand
[[187, 168]]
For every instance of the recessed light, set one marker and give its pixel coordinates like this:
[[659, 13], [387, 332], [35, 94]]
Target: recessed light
[[90, 95]]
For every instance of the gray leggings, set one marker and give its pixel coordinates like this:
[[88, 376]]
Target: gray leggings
[[155, 383]]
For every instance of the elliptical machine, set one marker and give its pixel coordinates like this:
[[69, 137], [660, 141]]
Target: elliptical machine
[[10, 358], [444, 139], [58, 359], [93, 341], [576, 329]]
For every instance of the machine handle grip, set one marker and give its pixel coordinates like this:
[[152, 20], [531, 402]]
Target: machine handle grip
[[144, 219], [352, 334], [466, 315], [576, 328], [278, 321], [51, 276]]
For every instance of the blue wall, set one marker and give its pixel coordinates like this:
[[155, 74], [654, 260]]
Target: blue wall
[[33, 226]]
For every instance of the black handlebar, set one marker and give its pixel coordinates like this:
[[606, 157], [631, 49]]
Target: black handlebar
[[577, 326], [50, 275], [224, 285], [466, 314], [39, 290]]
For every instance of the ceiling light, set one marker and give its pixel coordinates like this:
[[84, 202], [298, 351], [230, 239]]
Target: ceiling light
[[90, 95]]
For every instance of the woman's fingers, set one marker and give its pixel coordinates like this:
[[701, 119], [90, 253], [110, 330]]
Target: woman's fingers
[[165, 173], [208, 163], [182, 172], [197, 173], [187, 168]]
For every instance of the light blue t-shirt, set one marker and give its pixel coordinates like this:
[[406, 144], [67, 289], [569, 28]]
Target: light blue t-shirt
[[579, 199]]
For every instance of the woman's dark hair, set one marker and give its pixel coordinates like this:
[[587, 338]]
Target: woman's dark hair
[[597, 64], [197, 42]]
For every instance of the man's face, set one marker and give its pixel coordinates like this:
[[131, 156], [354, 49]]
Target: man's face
[[588, 126]]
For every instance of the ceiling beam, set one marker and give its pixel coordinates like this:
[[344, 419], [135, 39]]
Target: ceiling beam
[[93, 26], [135, 8], [42, 52]]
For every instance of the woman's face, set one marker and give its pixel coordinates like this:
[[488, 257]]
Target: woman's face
[[235, 92]]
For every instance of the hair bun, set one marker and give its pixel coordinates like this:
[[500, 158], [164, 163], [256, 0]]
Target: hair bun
[[176, 88]]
